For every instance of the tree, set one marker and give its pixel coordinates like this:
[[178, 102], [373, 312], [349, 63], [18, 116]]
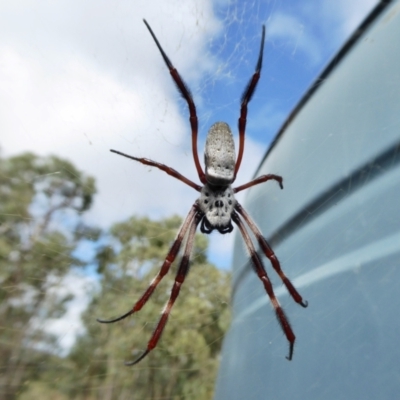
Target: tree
[[185, 362], [42, 200]]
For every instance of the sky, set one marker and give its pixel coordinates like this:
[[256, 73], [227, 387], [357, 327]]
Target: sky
[[79, 78]]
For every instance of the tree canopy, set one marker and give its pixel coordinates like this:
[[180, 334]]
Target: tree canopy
[[42, 205]]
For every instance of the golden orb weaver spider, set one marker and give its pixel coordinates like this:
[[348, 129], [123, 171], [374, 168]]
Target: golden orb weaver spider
[[216, 207]]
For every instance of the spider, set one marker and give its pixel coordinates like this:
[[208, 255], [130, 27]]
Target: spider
[[216, 207]]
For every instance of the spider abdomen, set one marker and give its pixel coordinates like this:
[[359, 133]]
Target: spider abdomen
[[219, 155], [217, 204]]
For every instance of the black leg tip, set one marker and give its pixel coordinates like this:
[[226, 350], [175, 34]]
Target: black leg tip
[[110, 321], [130, 363], [304, 304], [105, 321], [290, 356]]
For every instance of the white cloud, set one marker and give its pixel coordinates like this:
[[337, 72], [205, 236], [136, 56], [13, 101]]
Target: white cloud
[[346, 15], [317, 28], [80, 78], [295, 34]]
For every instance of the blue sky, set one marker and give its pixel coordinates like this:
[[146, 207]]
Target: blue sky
[[80, 78], [302, 37]]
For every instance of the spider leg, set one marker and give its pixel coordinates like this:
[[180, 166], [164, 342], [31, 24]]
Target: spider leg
[[246, 97], [266, 248], [163, 271], [179, 279], [165, 168], [185, 93], [260, 179], [262, 274]]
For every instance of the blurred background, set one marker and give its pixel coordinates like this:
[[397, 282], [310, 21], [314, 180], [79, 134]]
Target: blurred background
[[82, 230], [336, 230]]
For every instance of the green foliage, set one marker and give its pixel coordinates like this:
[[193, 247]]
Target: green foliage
[[42, 200], [185, 362], [36, 251]]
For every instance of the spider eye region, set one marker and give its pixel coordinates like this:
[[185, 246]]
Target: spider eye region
[[217, 203], [219, 155]]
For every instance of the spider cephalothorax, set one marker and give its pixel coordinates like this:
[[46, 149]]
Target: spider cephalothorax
[[216, 207]]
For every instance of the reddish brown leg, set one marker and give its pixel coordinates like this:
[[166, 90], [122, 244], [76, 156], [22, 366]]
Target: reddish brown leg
[[163, 271], [185, 92], [179, 279], [262, 274], [260, 179], [246, 97], [165, 168], [266, 248]]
